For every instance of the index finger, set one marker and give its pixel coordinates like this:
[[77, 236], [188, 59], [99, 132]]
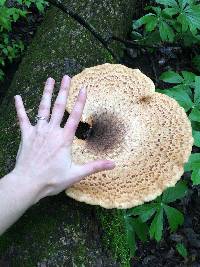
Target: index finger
[[75, 116], [21, 113]]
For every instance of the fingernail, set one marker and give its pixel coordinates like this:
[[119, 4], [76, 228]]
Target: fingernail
[[66, 77], [16, 97], [65, 81], [50, 80]]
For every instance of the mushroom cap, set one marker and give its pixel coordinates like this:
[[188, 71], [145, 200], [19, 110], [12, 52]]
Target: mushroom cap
[[147, 134]]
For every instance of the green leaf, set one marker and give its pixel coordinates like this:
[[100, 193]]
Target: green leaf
[[130, 234], [166, 32], [171, 3], [2, 62], [2, 2], [156, 226], [195, 125], [196, 136], [197, 90], [171, 194], [5, 23], [170, 11], [189, 77], [140, 228], [182, 19], [196, 62], [151, 23], [195, 115], [184, 3], [175, 217], [40, 5], [1, 75], [181, 96], [193, 160], [171, 77], [145, 211], [182, 250], [136, 36], [185, 87], [193, 17], [143, 20], [156, 9], [196, 176]]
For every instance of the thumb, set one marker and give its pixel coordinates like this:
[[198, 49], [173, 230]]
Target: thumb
[[81, 171]]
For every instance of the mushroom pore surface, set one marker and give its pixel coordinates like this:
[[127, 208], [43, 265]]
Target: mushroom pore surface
[[147, 134]]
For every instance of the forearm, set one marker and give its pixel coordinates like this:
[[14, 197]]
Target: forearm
[[17, 194]]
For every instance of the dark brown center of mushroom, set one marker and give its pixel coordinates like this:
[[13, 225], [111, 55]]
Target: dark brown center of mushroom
[[106, 133]]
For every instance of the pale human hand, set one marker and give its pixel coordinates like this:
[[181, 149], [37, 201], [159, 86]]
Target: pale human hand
[[44, 156]]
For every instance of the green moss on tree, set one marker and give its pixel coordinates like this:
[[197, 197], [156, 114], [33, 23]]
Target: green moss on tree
[[114, 237]]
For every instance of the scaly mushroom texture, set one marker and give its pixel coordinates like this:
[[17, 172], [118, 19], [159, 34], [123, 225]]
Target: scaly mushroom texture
[[147, 134]]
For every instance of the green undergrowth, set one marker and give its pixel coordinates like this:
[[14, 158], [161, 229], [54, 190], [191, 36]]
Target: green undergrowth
[[12, 47]]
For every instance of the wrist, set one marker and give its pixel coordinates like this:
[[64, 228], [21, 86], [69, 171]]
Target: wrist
[[28, 186]]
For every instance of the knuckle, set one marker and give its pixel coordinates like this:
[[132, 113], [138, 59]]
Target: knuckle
[[43, 107], [42, 129], [58, 105], [78, 108], [47, 90], [21, 119], [71, 123]]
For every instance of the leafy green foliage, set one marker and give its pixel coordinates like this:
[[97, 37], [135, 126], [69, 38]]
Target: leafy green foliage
[[172, 21], [182, 250], [40, 4], [135, 227], [11, 48], [136, 219], [187, 94], [196, 62], [182, 92], [194, 165]]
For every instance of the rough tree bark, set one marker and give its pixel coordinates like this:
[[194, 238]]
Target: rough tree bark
[[59, 231]]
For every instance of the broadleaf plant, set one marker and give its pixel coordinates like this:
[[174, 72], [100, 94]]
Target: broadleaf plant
[[173, 20], [135, 228], [9, 47], [187, 93], [193, 165], [153, 214], [182, 250]]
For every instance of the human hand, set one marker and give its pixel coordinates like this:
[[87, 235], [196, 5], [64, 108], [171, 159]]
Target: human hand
[[44, 156]]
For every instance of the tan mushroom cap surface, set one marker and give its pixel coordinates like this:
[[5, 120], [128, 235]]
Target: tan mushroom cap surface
[[147, 134]]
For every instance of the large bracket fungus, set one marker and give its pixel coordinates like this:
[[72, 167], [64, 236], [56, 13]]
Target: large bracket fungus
[[146, 133]]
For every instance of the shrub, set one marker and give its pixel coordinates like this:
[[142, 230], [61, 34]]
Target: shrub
[[171, 21], [11, 48]]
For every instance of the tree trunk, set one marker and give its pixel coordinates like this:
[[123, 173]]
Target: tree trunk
[[59, 231]]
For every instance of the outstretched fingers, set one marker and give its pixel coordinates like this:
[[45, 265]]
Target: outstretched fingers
[[24, 122], [45, 103], [75, 116], [91, 167], [61, 101]]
